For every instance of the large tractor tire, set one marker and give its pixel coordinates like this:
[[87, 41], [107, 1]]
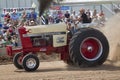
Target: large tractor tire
[[30, 62], [88, 48], [17, 60]]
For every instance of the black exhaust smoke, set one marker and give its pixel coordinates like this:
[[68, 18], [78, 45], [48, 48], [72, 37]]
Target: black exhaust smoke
[[43, 4]]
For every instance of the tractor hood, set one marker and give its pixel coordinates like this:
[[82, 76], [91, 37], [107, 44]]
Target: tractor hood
[[61, 27]]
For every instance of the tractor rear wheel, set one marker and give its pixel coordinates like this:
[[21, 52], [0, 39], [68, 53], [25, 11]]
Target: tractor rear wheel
[[17, 60], [88, 47], [30, 62]]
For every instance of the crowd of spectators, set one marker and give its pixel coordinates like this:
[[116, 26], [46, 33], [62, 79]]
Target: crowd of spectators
[[8, 29], [75, 19], [83, 16], [8, 33]]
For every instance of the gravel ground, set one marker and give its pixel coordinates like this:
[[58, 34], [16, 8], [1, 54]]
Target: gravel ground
[[58, 70]]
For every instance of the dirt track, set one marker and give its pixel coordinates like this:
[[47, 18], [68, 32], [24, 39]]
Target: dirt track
[[58, 70]]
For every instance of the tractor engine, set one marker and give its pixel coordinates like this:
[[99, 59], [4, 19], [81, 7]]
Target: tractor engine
[[43, 35]]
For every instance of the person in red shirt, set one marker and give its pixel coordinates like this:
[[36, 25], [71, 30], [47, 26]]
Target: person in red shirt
[[7, 17], [102, 18], [101, 13]]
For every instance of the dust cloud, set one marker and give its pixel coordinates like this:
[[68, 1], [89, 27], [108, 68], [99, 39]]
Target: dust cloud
[[112, 32]]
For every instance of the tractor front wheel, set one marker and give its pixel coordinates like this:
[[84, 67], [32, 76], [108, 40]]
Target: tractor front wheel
[[30, 62]]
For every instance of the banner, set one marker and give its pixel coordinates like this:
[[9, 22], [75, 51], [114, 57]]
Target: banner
[[16, 9], [55, 7], [60, 7], [65, 8]]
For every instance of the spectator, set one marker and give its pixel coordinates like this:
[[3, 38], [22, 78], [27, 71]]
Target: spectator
[[89, 18], [11, 30], [7, 17], [73, 17], [83, 18], [51, 20], [7, 38], [14, 16], [102, 18], [54, 15], [101, 13], [15, 19], [88, 13], [94, 14], [5, 35], [67, 16], [60, 14], [5, 26], [14, 41], [33, 16], [0, 25], [24, 16], [95, 17], [0, 28], [32, 23], [2, 41], [58, 20]]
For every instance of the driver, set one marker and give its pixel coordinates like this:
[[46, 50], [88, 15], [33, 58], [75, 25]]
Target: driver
[[81, 21], [83, 17]]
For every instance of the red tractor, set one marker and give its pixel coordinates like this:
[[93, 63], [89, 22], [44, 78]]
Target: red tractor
[[86, 47]]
